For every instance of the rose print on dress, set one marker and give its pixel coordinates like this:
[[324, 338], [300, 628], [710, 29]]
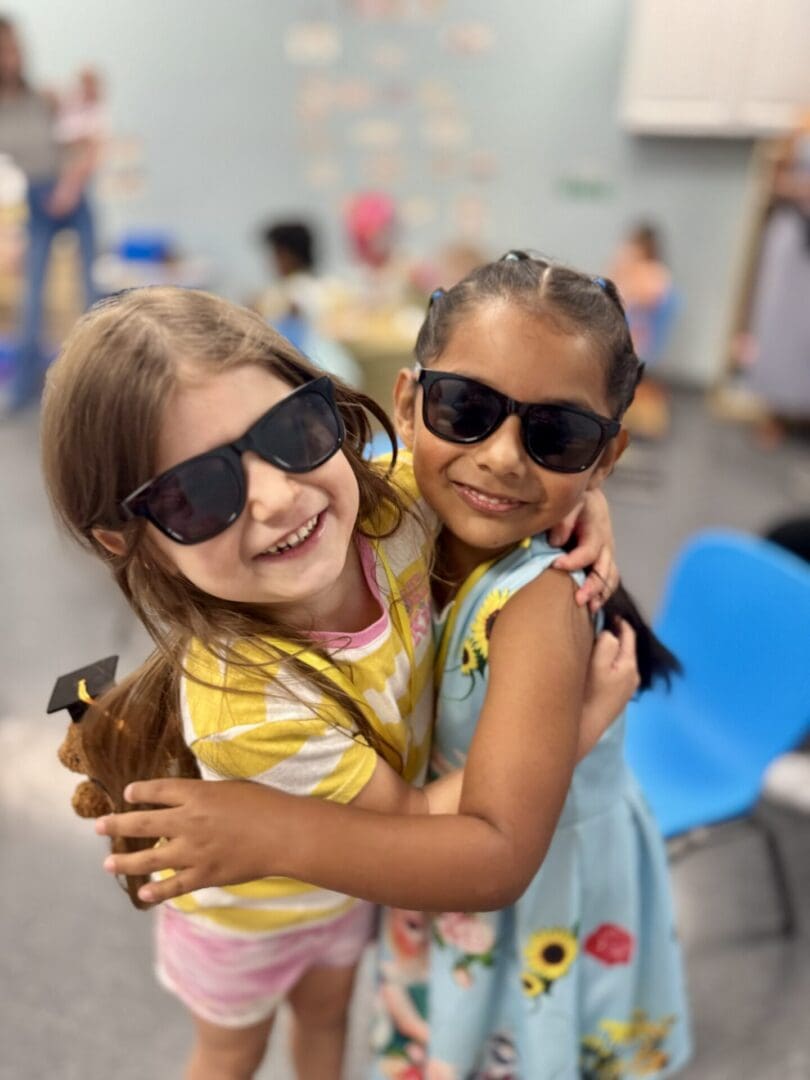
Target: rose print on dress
[[610, 944], [470, 935]]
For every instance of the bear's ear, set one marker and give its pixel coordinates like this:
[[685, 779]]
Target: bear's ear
[[90, 801], [79, 688]]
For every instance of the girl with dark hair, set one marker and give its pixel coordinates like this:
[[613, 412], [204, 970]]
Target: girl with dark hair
[[513, 414], [284, 580]]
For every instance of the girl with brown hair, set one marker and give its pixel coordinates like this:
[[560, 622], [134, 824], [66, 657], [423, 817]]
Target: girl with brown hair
[[284, 581]]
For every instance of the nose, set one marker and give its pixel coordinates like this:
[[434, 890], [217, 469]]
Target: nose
[[271, 492], [502, 454]]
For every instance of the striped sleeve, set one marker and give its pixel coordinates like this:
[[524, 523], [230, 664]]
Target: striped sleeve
[[292, 743]]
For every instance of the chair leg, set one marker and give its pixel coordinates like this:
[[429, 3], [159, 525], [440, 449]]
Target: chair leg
[[780, 876], [709, 836]]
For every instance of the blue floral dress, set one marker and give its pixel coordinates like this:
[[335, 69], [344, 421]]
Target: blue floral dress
[[581, 979]]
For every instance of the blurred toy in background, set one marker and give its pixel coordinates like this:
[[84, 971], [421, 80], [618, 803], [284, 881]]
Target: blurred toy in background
[[780, 314], [652, 303], [371, 228]]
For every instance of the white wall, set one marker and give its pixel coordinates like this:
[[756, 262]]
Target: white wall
[[208, 88]]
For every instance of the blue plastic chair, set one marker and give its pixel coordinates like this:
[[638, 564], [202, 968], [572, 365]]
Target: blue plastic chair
[[736, 612]]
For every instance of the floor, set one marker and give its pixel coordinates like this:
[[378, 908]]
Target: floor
[[79, 1002]]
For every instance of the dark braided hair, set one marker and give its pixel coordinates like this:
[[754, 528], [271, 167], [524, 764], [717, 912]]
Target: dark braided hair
[[573, 301], [576, 303]]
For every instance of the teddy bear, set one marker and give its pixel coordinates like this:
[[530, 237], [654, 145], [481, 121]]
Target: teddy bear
[[76, 692], [90, 800]]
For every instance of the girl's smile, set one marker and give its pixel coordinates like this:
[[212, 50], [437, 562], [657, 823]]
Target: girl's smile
[[492, 494], [292, 545], [487, 502]]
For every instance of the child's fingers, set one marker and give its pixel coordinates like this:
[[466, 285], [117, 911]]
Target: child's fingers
[[149, 861], [155, 892], [605, 650], [585, 553], [605, 569], [137, 823], [160, 792], [626, 661], [627, 641]]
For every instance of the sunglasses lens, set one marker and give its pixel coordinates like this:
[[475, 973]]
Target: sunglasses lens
[[563, 440], [302, 434], [197, 500], [461, 411]]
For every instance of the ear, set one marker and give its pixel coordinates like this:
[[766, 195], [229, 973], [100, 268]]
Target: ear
[[111, 540], [405, 391], [607, 463]]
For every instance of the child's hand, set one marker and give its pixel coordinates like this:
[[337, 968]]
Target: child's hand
[[612, 680], [590, 524], [214, 833]]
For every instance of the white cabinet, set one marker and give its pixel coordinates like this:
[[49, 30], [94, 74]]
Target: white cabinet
[[716, 67]]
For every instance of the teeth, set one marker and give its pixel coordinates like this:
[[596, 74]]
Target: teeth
[[493, 499], [294, 538]]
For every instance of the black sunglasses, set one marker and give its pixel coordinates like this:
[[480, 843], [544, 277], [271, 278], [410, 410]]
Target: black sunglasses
[[563, 438], [201, 497]]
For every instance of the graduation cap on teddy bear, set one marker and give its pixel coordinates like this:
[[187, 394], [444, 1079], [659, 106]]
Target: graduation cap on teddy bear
[[76, 692]]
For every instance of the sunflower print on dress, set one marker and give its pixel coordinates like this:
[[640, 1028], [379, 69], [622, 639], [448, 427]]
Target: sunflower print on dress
[[549, 955], [626, 1048], [475, 647]]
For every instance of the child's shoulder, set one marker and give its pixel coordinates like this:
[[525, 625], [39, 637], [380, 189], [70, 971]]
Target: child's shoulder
[[244, 664], [525, 563]]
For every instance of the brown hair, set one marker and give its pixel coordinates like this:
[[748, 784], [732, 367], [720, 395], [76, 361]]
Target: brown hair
[[102, 411]]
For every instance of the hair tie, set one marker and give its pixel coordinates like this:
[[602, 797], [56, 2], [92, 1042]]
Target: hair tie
[[600, 281], [515, 256], [437, 294]]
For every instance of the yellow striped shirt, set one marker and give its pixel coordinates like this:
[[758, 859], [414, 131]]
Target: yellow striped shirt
[[284, 733]]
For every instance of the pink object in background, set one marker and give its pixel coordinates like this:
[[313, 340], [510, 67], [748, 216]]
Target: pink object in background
[[370, 226]]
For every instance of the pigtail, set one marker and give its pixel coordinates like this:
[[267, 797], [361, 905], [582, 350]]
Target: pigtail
[[654, 659]]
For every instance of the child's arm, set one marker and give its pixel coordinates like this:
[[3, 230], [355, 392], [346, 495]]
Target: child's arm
[[206, 822], [515, 781]]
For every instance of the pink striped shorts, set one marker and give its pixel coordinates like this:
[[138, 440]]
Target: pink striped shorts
[[239, 981]]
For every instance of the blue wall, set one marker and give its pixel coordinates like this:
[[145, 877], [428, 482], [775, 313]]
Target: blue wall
[[208, 88]]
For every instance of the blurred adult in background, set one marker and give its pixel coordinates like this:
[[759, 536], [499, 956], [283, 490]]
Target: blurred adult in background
[[57, 175], [780, 314]]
